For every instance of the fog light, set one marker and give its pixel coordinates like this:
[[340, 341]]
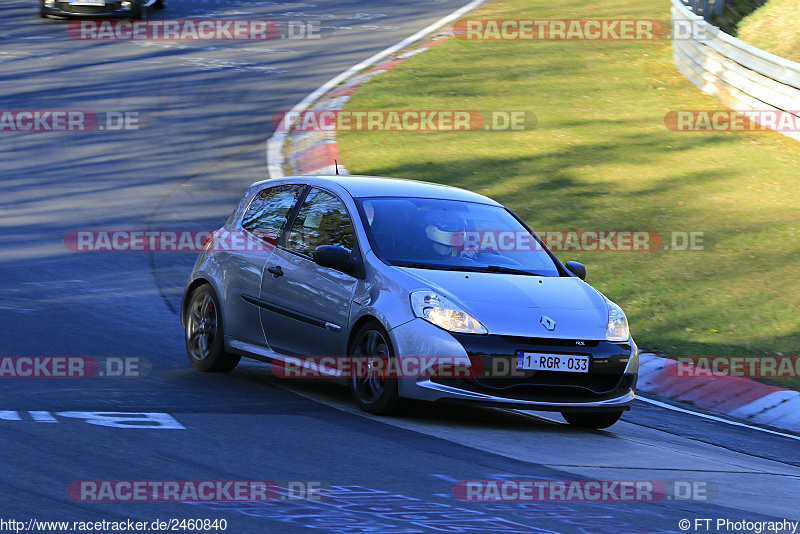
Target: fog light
[[125, 5]]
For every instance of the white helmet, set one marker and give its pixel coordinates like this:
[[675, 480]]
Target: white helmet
[[441, 227]]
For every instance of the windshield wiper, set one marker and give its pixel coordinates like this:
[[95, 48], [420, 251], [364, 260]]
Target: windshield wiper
[[498, 269], [421, 265], [469, 268]]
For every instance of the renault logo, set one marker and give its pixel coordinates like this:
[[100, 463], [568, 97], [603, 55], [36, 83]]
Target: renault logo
[[548, 323]]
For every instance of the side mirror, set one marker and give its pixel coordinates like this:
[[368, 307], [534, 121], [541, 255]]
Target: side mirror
[[578, 269], [334, 257]]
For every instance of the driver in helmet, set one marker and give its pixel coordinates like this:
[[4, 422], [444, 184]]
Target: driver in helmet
[[446, 233]]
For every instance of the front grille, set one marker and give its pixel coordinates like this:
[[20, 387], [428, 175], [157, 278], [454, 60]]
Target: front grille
[[87, 10], [497, 356], [549, 342]]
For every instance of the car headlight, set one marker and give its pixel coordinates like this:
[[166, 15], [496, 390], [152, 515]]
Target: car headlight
[[440, 311], [617, 329]]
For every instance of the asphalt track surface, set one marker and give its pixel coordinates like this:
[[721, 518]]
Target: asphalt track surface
[[204, 111]]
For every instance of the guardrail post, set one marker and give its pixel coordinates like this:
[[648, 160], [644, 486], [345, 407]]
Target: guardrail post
[[706, 10]]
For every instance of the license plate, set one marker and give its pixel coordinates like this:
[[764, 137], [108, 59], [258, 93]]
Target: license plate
[[552, 362], [87, 2]]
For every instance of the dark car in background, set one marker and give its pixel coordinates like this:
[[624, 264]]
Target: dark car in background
[[134, 9]]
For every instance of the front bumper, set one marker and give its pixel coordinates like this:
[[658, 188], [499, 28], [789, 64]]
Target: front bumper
[[450, 393], [608, 386], [110, 10]]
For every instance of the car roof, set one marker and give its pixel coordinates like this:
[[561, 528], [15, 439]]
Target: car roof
[[379, 186]]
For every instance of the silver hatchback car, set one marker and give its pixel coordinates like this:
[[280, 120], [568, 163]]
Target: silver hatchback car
[[406, 290]]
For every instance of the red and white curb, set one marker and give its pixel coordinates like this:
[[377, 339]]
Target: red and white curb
[[735, 396], [313, 153]]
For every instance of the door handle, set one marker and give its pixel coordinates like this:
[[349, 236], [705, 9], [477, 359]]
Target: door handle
[[276, 271]]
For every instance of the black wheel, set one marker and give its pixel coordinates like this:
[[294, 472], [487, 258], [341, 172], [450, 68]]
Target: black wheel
[[373, 389], [204, 335], [138, 11], [42, 12], [160, 4], [595, 420]]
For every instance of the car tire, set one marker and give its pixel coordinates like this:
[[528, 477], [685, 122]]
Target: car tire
[[138, 11], [596, 420], [42, 12], [204, 336], [160, 4], [375, 393]]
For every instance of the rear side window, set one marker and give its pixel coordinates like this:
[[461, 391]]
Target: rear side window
[[268, 210], [323, 220]]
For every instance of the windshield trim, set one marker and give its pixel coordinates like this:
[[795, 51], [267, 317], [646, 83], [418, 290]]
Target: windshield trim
[[489, 269]]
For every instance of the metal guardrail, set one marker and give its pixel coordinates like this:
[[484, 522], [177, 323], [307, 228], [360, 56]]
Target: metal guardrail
[[743, 77]]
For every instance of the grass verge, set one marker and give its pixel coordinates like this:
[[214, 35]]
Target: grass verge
[[773, 27], [602, 158]]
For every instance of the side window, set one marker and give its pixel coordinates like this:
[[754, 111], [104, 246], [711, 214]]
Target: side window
[[322, 220], [268, 210]]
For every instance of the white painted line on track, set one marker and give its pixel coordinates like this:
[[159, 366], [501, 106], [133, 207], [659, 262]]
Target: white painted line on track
[[350, 408], [712, 417], [275, 143]]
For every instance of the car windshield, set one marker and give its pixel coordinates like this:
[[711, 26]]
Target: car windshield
[[453, 235]]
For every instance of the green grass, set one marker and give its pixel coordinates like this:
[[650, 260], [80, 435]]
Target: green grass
[[601, 158], [773, 27]]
